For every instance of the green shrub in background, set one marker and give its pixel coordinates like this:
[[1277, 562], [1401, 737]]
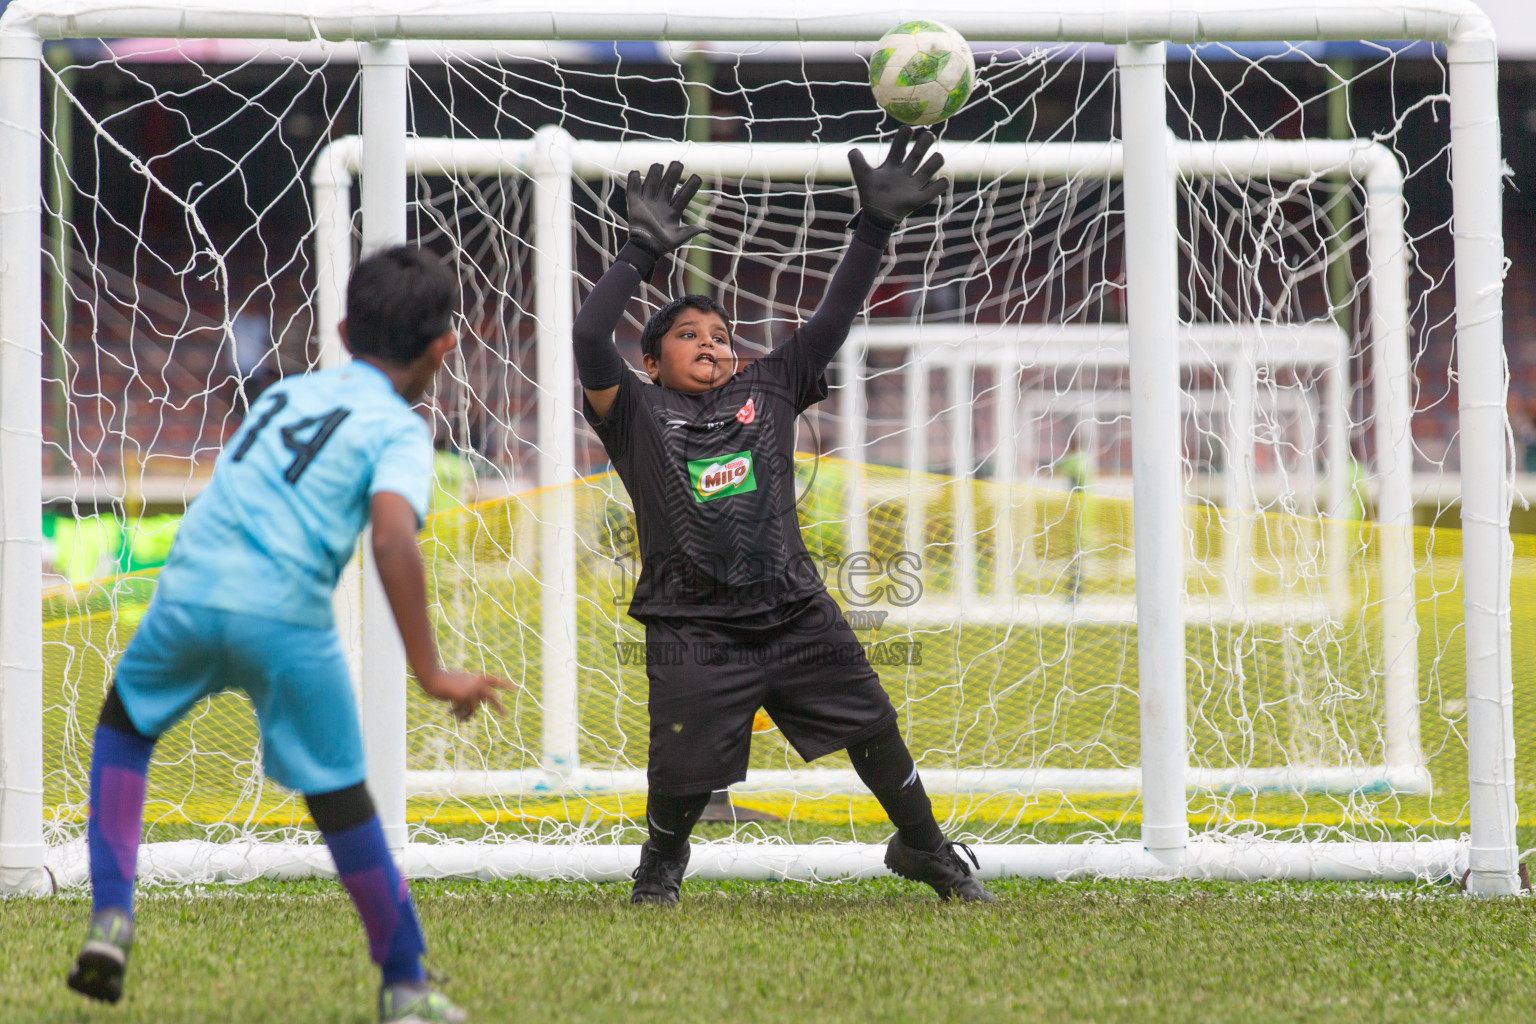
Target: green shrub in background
[[92, 547]]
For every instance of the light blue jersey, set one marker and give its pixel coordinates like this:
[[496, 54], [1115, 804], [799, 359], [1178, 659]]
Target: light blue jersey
[[292, 491]]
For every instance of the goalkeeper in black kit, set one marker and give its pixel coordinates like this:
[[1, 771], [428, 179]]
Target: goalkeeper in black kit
[[726, 586]]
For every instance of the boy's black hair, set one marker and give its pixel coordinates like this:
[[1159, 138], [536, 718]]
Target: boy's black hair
[[398, 301], [662, 320]]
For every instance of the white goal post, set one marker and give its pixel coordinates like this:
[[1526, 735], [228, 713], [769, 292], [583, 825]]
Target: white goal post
[[1150, 163]]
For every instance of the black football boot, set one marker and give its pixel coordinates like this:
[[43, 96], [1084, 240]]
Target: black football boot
[[659, 878], [944, 869]]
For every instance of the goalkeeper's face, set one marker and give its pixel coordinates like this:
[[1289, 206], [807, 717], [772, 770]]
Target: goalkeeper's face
[[696, 354]]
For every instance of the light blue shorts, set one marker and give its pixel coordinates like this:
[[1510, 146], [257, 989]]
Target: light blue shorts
[[297, 677]]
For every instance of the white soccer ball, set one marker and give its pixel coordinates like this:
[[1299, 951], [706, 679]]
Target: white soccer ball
[[921, 72]]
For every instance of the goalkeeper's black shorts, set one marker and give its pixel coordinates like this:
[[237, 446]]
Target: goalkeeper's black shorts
[[803, 665]]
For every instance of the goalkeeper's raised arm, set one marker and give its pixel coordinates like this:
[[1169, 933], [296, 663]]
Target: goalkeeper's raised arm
[[888, 194], [655, 215]]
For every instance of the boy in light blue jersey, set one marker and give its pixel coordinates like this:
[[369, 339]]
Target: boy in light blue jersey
[[280, 521], [244, 602]]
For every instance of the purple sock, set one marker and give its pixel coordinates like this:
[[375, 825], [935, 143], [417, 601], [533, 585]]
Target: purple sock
[[382, 899], [119, 763]]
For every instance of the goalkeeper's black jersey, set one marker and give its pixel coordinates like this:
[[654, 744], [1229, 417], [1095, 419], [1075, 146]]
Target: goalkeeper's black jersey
[[712, 475], [712, 479]]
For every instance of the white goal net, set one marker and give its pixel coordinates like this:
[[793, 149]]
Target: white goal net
[[1213, 609]]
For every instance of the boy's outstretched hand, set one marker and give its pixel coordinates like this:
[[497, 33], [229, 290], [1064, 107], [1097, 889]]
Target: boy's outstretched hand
[[901, 186], [655, 209], [466, 691]]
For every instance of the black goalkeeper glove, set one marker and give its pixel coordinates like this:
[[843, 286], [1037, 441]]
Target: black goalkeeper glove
[[654, 210], [901, 186]]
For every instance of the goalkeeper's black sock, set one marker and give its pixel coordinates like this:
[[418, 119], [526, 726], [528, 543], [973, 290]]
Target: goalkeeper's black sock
[[886, 767], [671, 819]]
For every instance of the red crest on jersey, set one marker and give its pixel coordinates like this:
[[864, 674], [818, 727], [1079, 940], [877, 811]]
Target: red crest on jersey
[[747, 413]]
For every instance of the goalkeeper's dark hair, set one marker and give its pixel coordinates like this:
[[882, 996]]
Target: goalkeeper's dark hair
[[398, 301], [662, 320]]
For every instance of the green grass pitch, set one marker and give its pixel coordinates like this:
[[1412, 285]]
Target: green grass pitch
[[871, 951], [866, 951]]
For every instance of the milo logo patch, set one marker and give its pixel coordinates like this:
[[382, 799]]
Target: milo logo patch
[[722, 477]]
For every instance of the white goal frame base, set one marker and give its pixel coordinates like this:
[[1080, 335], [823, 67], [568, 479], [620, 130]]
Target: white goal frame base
[[194, 862]]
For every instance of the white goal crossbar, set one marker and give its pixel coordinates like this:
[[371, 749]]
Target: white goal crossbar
[[1140, 29]]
